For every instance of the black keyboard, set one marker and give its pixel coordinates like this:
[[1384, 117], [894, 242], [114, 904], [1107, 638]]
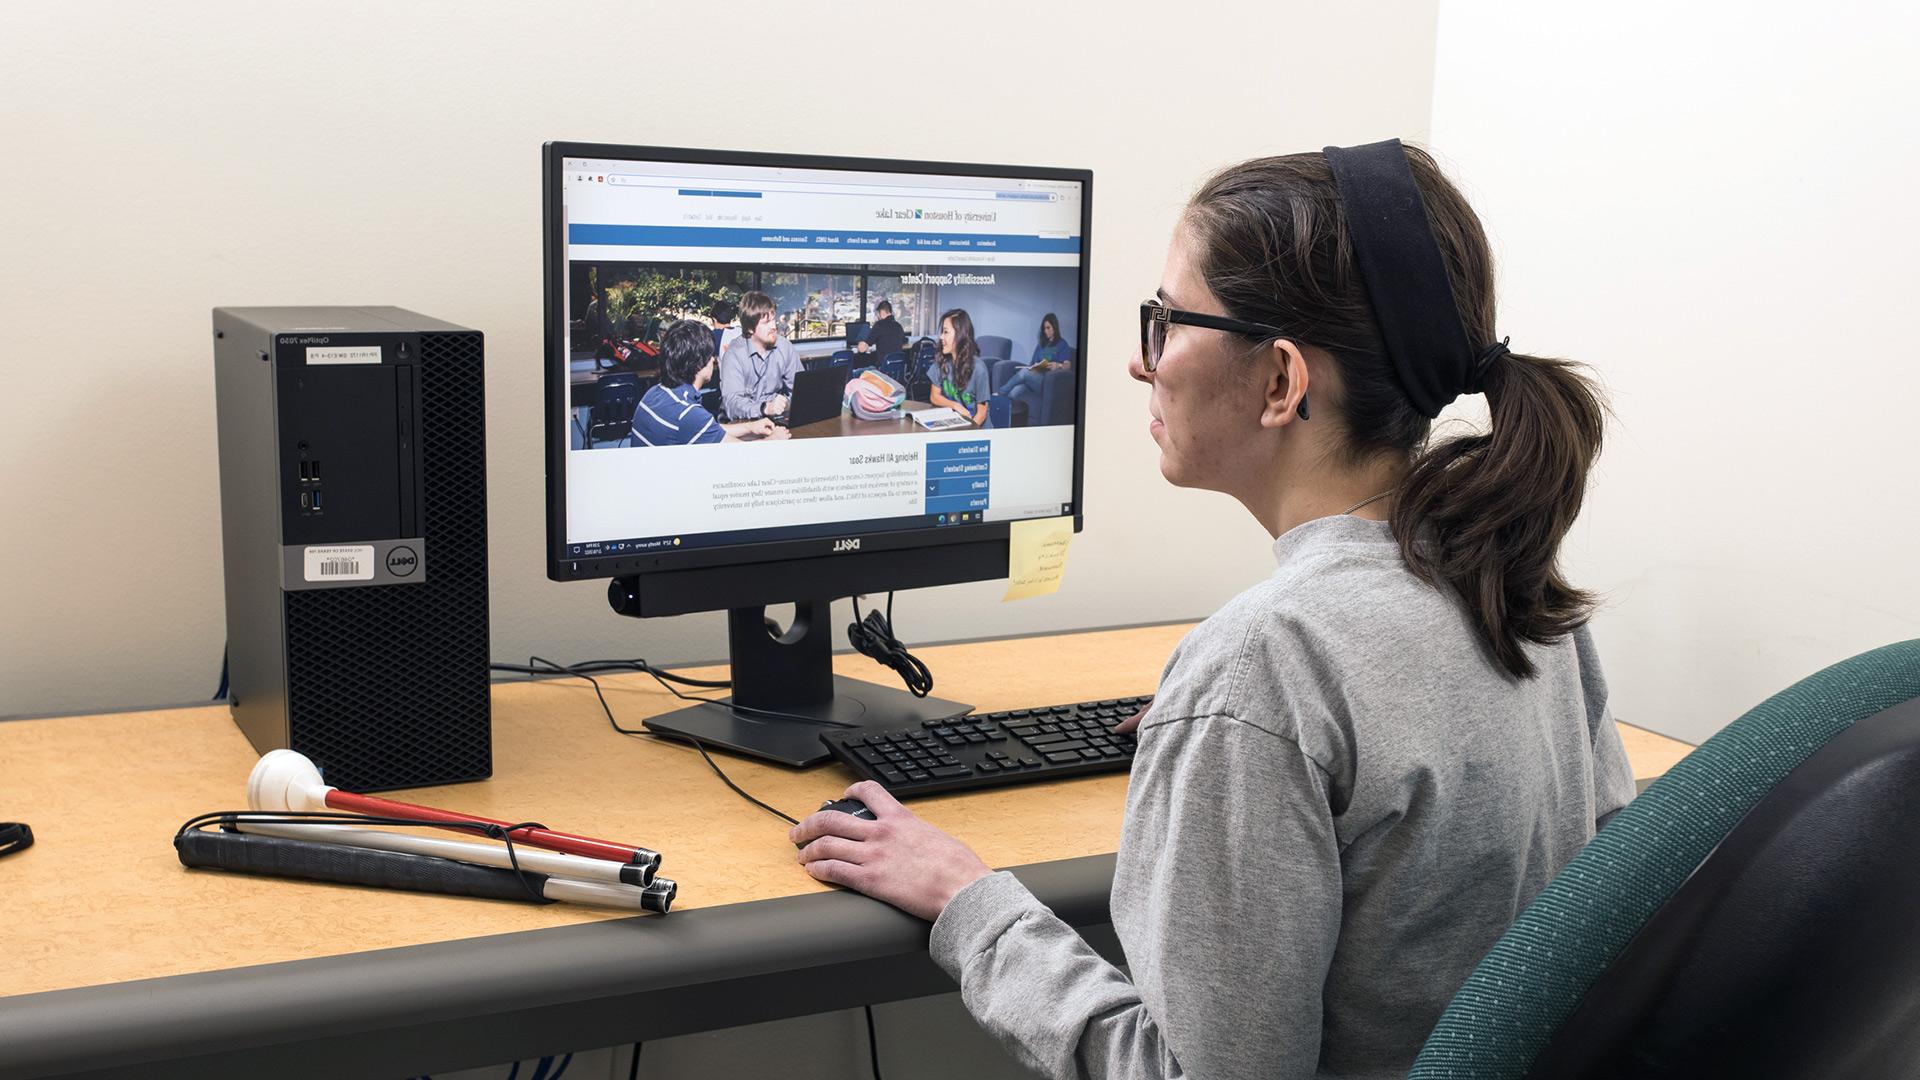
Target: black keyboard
[[991, 749]]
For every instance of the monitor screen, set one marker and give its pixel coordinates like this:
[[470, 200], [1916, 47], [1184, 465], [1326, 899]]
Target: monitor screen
[[759, 349]]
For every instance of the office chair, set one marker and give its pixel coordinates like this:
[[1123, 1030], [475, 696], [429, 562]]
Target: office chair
[[994, 347], [842, 358], [1751, 914], [611, 418], [895, 365]]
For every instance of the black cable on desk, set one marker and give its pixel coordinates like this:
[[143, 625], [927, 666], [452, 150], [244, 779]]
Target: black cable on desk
[[872, 635], [873, 1043], [580, 672]]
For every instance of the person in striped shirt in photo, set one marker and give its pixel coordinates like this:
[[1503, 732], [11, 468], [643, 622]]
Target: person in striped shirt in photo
[[670, 413]]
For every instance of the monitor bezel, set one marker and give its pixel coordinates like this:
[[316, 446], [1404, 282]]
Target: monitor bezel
[[562, 567]]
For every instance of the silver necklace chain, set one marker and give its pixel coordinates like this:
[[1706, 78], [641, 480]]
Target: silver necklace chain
[[1366, 501]]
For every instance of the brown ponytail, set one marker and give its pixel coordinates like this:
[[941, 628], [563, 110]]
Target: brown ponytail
[[1481, 514]]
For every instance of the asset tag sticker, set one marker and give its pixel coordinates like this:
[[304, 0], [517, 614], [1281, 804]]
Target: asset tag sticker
[[343, 354], [340, 563]]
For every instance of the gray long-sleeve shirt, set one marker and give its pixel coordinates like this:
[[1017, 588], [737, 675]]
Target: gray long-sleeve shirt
[[751, 376], [1337, 805]]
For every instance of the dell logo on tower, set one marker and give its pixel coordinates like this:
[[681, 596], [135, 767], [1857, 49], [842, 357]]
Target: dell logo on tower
[[401, 562], [852, 544]]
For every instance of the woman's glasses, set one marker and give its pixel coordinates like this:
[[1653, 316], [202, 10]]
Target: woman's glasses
[[1155, 317]]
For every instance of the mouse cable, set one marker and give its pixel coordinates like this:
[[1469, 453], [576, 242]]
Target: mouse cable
[[873, 1043], [530, 668], [873, 636]]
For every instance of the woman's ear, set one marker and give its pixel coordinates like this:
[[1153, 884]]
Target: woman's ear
[[1284, 377]]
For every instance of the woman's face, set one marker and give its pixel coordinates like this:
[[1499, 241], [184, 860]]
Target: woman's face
[[946, 336], [1207, 395], [1049, 331]]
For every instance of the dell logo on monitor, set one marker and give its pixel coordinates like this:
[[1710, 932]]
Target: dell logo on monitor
[[852, 544]]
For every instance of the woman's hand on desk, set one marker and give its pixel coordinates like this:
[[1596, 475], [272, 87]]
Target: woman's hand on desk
[[896, 857]]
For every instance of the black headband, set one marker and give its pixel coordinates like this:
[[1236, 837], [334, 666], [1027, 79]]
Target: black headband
[[1405, 278]]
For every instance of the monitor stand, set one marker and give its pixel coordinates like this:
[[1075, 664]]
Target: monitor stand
[[785, 692]]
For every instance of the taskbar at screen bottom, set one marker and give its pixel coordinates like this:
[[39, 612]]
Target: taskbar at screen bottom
[[694, 541]]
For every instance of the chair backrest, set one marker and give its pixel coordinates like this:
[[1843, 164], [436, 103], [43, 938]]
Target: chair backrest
[[843, 357], [895, 365], [1674, 876], [995, 346], [1056, 397], [615, 398]]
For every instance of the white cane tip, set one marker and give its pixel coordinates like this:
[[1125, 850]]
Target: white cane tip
[[284, 780]]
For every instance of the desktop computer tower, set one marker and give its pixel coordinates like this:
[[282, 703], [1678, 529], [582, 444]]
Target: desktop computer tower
[[353, 499]]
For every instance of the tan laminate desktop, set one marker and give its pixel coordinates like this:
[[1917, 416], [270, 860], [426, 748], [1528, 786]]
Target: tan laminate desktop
[[101, 897]]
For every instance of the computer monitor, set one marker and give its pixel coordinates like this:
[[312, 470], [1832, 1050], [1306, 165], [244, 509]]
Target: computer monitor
[[656, 477]]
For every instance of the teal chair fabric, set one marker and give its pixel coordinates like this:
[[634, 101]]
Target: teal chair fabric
[[1536, 974]]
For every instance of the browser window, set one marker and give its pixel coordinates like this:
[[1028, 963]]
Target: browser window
[[887, 350]]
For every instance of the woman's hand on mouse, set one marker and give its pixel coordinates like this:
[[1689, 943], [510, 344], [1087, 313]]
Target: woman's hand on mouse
[[896, 857]]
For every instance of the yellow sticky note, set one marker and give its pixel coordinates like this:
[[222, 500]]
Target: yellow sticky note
[[1037, 556]]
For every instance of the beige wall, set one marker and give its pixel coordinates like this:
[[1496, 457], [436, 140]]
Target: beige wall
[[165, 159], [1713, 204]]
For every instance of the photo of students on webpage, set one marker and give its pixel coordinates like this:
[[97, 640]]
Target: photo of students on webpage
[[819, 351], [885, 337], [1050, 353], [756, 373], [958, 379], [671, 412]]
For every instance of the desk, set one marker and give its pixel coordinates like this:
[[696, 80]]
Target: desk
[[119, 957], [848, 424]]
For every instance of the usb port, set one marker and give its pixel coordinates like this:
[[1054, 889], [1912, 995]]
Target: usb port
[[316, 500], [315, 470], [306, 501], [304, 475]]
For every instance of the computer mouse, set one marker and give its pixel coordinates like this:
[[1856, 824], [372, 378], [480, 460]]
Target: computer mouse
[[853, 807], [846, 806]]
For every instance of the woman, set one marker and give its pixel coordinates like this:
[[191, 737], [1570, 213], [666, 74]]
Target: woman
[[959, 378], [670, 412], [1356, 773], [1048, 353]]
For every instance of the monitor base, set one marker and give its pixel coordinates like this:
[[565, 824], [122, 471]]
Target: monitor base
[[789, 740]]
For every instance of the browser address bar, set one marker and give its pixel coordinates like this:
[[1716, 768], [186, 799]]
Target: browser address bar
[[795, 187]]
